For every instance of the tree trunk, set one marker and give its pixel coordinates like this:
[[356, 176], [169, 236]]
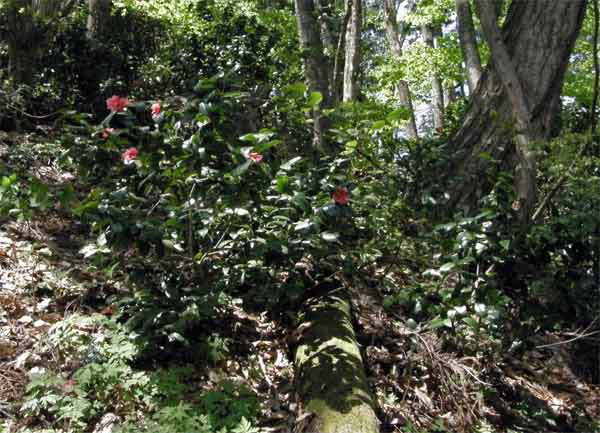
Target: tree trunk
[[330, 376], [324, 13], [315, 66], [21, 62], [396, 36], [338, 70], [437, 91], [351, 68], [405, 98], [449, 95], [526, 170], [30, 26], [538, 36], [98, 19], [468, 43], [23, 39]]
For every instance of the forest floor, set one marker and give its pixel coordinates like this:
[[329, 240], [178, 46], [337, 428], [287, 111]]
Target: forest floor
[[50, 297]]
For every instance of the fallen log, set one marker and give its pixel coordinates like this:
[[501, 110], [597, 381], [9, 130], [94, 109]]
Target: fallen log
[[330, 377]]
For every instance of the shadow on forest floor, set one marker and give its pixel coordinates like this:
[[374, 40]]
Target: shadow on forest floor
[[423, 386]]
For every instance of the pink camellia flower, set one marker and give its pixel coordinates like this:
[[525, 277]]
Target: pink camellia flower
[[341, 195], [117, 104], [255, 157], [156, 109], [129, 155], [107, 132]]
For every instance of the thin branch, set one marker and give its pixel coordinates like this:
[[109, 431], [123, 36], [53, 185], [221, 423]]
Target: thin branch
[[583, 334], [559, 343], [31, 116], [561, 180]]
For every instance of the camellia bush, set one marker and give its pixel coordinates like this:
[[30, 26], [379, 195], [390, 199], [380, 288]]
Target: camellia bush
[[200, 217]]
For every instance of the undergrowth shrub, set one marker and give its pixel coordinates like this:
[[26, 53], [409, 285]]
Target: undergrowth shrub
[[106, 380]]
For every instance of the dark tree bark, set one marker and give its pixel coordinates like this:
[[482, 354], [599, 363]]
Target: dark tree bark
[[325, 12], [22, 60], [315, 65], [98, 19], [328, 38], [516, 101], [468, 43], [437, 91], [28, 28], [525, 172], [23, 39], [351, 67], [396, 35]]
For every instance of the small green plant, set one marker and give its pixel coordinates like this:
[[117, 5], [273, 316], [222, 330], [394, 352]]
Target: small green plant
[[230, 409], [105, 382], [227, 406], [180, 418]]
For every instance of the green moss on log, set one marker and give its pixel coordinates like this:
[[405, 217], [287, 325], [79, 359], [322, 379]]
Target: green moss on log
[[330, 375]]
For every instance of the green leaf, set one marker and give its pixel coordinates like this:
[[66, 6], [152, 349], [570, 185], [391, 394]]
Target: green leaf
[[202, 120], [314, 99], [439, 323], [304, 226], [242, 168], [352, 144], [461, 309], [301, 201], [267, 145], [176, 337], [241, 211], [296, 89], [330, 237], [86, 207], [264, 135], [172, 245], [205, 85], [447, 267], [380, 124], [480, 309], [250, 137], [471, 322], [282, 184], [8, 181], [39, 194], [487, 156], [397, 115], [289, 164], [199, 258]]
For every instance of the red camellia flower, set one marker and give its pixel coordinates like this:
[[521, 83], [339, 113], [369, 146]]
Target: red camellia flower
[[117, 104], [341, 195], [155, 109], [129, 155], [107, 132], [255, 157]]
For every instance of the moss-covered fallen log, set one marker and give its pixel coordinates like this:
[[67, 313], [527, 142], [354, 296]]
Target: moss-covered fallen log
[[330, 376]]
